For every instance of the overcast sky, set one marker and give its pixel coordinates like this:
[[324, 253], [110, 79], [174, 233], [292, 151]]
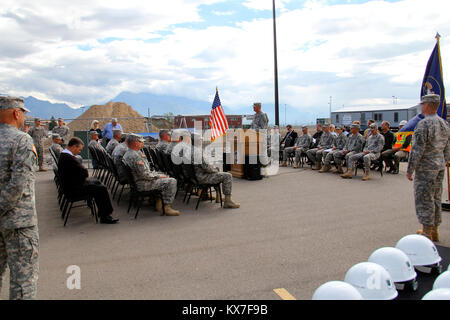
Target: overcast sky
[[87, 51]]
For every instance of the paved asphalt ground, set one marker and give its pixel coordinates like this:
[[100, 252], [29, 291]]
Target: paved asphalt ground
[[295, 230]]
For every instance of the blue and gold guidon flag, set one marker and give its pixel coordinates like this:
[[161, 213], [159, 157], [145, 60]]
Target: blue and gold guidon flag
[[433, 82]]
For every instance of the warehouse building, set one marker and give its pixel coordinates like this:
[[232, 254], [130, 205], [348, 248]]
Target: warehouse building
[[392, 113]]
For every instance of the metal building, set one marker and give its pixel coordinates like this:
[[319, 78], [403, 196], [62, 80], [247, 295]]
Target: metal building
[[392, 113]]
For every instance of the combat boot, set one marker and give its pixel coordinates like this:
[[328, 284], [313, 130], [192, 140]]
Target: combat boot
[[283, 164], [169, 211], [41, 168], [325, 168], [295, 166], [158, 205], [230, 204], [348, 174], [435, 234], [316, 166], [339, 169], [426, 231], [366, 175]]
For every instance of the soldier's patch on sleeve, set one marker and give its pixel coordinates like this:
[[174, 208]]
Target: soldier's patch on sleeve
[[33, 148], [140, 162]]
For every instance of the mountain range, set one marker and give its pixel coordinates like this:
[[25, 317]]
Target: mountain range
[[159, 105]]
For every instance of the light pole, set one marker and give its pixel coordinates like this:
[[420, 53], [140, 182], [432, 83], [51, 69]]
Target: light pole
[[277, 120]]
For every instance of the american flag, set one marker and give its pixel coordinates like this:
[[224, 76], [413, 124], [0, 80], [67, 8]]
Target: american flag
[[218, 121]]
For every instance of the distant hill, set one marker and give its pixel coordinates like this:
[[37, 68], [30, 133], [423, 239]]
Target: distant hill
[[161, 104], [45, 109]]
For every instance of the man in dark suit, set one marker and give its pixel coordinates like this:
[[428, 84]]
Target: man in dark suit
[[289, 138], [75, 180]]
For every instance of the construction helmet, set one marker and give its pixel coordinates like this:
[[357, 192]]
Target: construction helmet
[[422, 252], [372, 281], [443, 281], [398, 264], [438, 294], [336, 290]]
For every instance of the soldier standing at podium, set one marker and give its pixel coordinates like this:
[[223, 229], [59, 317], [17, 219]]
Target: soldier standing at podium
[[260, 120]]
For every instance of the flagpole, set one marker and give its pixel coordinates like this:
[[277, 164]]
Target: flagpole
[[277, 120]]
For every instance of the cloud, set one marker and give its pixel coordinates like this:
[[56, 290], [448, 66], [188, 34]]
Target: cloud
[[86, 52]]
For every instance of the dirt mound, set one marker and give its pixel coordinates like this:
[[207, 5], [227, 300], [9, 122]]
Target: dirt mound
[[129, 119]]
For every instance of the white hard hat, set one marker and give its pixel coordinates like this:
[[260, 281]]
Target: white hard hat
[[336, 290], [438, 294], [396, 262], [419, 249], [372, 281], [443, 281]]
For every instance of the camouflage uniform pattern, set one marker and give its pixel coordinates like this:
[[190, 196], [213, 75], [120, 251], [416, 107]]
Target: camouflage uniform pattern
[[430, 152], [326, 142], [19, 238], [57, 149], [374, 145], [339, 143], [148, 180], [112, 144], [117, 157], [208, 174], [38, 134], [260, 121], [63, 131], [302, 143], [353, 145], [162, 146]]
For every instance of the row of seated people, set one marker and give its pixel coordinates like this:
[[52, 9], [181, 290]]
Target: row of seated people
[[339, 148], [128, 155]]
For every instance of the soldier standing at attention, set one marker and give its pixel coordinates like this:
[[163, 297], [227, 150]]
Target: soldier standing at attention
[[19, 237], [260, 120], [429, 153], [38, 133]]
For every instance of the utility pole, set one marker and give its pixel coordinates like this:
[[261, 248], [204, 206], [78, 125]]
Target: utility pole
[[277, 120]]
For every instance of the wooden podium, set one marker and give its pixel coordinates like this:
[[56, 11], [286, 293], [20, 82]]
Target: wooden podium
[[246, 144]]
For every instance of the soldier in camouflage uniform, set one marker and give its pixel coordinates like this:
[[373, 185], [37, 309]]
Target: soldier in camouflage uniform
[[326, 142], [38, 133], [260, 120], [146, 179], [301, 145], [164, 140], [56, 145], [353, 146], [117, 157], [338, 146], [114, 142], [429, 154], [372, 151], [62, 130], [208, 174], [19, 236]]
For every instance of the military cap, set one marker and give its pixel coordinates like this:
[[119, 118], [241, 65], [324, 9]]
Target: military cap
[[37, 119], [60, 119], [114, 120], [431, 98], [373, 126], [339, 127], [7, 102], [355, 125], [132, 137], [257, 104], [56, 136], [326, 125], [93, 132], [304, 127], [117, 132], [403, 123]]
